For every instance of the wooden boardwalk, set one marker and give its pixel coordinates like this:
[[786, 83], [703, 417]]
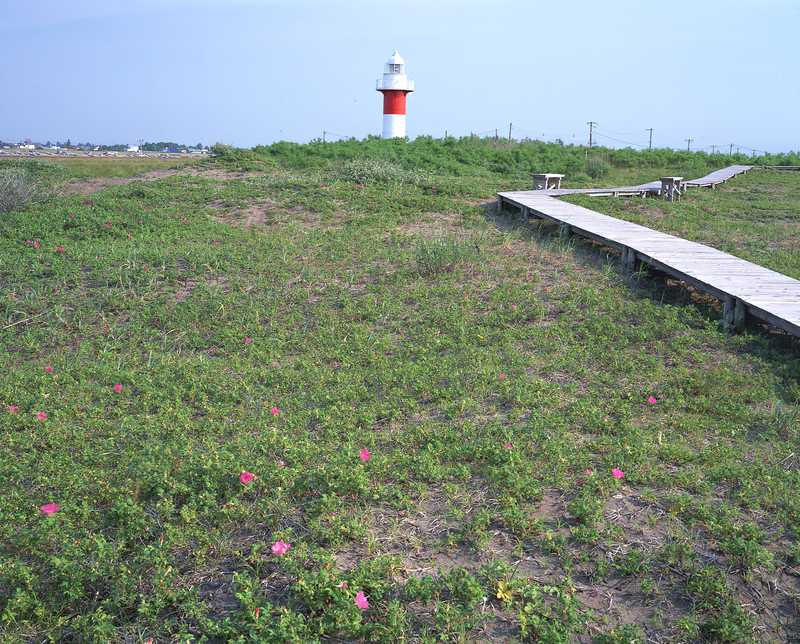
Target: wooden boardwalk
[[744, 288], [653, 187], [718, 176]]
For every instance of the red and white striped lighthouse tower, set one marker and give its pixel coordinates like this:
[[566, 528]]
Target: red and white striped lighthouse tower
[[394, 86]]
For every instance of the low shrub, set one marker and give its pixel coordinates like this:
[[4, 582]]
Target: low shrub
[[17, 189], [437, 256], [597, 168], [370, 171], [239, 159]]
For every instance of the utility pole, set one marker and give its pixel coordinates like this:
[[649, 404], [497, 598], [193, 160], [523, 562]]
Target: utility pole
[[591, 124], [649, 129], [509, 132], [730, 152], [445, 135], [688, 144], [495, 135], [713, 149], [323, 135]]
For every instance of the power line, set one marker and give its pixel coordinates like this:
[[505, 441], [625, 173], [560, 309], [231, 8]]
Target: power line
[[605, 136]]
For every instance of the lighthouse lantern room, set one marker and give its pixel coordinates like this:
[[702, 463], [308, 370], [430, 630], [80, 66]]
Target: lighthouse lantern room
[[394, 86]]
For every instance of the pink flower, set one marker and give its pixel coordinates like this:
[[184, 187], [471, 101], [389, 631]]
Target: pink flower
[[502, 376], [509, 445], [589, 471], [40, 415], [364, 454], [49, 369], [13, 409], [617, 473], [245, 478], [361, 600], [652, 400], [49, 508], [118, 388], [60, 249], [342, 585], [275, 411], [248, 340], [280, 547]]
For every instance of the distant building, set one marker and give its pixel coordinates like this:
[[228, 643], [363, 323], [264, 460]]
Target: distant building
[[133, 148]]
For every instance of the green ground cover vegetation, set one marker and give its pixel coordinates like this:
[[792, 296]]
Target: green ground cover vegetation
[[487, 432]]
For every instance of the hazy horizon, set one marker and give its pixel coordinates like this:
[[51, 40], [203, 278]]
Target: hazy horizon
[[246, 72]]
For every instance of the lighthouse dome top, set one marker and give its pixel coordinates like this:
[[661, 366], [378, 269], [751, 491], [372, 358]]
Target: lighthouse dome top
[[396, 59], [394, 75]]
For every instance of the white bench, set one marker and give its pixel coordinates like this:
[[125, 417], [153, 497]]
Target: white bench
[[547, 181]]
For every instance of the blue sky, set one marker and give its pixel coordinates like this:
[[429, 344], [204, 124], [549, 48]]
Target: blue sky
[[254, 71]]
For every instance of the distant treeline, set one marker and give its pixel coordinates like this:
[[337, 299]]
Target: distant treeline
[[472, 155]]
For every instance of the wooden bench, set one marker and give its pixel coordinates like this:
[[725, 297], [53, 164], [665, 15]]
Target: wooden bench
[[547, 181]]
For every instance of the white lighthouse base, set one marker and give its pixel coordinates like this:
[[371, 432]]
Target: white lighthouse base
[[394, 126]]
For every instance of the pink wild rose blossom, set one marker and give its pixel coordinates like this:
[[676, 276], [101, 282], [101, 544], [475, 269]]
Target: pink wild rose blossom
[[361, 600], [118, 388], [248, 340], [49, 508], [13, 409], [49, 369], [280, 547], [617, 473], [364, 454], [41, 415], [652, 400], [245, 478], [275, 411]]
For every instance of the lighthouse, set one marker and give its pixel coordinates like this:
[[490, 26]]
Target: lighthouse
[[394, 86]]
